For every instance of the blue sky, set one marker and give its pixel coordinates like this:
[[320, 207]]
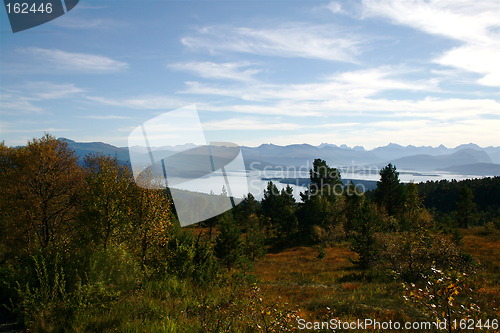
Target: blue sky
[[355, 72]]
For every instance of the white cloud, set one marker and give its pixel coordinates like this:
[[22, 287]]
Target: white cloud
[[224, 71], [73, 22], [437, 109], [483, 59], [296, 40], [24, 98], [248, 124], [259, 124], [151, 102], [335, 7], [352, 94], [49, 90], [344, 86], [11, 103], [31, 130], [76, 62], [105, 117], [284, 108], [474, 23]]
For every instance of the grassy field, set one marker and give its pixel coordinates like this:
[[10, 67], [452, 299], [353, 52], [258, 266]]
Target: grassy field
[[284, 286], [332, 287], [484, 246]]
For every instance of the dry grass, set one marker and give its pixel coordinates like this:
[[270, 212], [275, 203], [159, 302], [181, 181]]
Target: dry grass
[[484, 245], [323, 288], [300, 266], [332, 286]]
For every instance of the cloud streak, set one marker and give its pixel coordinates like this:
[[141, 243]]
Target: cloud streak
[[48, 90], [292, 40], [249, 124], [150, 102], [347, 86], [105, 117], [11, 103], [26, 98], [76, 62], [223, 71]]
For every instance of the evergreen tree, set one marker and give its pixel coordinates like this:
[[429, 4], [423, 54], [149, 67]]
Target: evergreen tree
[[254, 238], [324, 179], [287, 221], [389, 191], [228, 244], [354, 201], [364, 226], [248, 210], [321, 206], [465, 206], [280, 207]]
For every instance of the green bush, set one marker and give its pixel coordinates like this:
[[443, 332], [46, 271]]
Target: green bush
[[409, 255], [190, 257]]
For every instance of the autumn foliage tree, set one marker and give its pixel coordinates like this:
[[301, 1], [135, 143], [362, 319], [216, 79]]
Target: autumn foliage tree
[[152, 222], [41, 193], [108, 197]]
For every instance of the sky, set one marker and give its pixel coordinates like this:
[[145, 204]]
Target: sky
[[362, 73]]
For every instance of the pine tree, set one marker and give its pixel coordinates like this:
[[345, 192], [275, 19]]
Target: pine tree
[[466, 206], [364, 226], [389, 191], [280, 207], [321, 205], [228, 244], [324, 179]]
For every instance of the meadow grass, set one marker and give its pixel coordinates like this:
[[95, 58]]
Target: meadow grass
[[333, 287]]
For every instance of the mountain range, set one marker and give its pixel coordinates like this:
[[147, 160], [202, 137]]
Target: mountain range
[[465, 159]]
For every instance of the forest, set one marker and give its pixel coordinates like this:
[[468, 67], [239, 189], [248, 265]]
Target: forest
[[84, 249]]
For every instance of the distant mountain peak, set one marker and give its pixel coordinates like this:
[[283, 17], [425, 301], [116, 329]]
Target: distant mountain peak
[[268, 145], [300, 145], [327, 145], [394, 145], [467, 146]]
